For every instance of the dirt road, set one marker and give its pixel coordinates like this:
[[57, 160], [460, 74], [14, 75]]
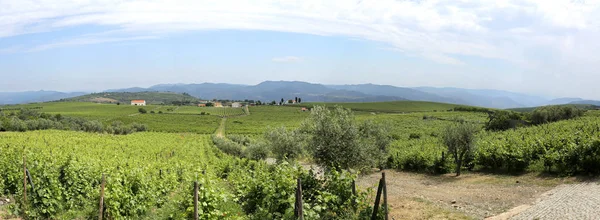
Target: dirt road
[[419, 196]]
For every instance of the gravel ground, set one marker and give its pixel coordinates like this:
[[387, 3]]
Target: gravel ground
[[476, 195], [573, 201]]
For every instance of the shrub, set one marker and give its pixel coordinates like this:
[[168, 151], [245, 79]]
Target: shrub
[[414, 136], [257, 151], [337, 141], [240, 139], [151, 112], [285, 145], [502, 120], [228, 146], [139, 127], [93, 126], [142, 110], [548, 114], [160, 112]]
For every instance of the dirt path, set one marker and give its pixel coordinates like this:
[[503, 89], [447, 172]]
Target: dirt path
[[221, 129], [419, 196]]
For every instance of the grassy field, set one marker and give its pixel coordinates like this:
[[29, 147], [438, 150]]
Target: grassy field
[[217, 111], [108, 113], [263, 117], [390, 107], [415, 127]]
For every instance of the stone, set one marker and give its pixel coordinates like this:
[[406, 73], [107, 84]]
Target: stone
[[453, 201]]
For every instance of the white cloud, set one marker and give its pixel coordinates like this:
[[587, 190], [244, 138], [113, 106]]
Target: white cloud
[[287, 59], [444, 31]]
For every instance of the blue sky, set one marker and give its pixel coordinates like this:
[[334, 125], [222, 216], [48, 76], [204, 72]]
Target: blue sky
[[533, 46]]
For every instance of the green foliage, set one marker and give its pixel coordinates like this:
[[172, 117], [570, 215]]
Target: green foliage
[[151, 176], [565, 147], [257, 151], [30, 120], [285, 145], [414, 136], [142, 110], [503, 120], [389, 107], [554, 113], [460, 141], [470, 109], [336, 140], [228, 146]]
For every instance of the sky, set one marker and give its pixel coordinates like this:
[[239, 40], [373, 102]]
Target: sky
[[541, 47]]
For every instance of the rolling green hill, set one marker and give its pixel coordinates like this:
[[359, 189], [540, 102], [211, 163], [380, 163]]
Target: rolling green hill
[[126, 97], [389, 107]]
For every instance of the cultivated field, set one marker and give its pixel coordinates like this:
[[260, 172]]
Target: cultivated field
[[150, 174]]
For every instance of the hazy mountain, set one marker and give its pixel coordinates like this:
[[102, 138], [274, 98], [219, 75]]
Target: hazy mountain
[[34, 96], [270, 91], [487, 97], [393, 91], [562, 101], [586, 102], [311, 92]]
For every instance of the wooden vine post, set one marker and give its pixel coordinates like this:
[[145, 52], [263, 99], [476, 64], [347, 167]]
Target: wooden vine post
[[298, 210], [354, 194], [196, 200], [377, 199], [24, 182], [101, 209], [385, 203]]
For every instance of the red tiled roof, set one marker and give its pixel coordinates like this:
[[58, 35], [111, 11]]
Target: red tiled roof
[[138, 101]]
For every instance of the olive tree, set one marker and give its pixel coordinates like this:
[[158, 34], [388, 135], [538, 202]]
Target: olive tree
[[337, 140], [460, 140], [285, 145]]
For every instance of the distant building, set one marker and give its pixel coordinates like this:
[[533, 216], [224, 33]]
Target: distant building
[[217, 104], [138, 102], [236, 105], [201, 105]]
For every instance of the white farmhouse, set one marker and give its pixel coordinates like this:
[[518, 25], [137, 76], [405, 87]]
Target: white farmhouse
[[236, 105], [138, 102]]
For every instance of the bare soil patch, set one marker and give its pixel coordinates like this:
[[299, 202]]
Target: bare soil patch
[[472, 195]]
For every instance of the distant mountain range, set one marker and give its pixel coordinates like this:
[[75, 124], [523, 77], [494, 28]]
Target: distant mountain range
[[311, 92], [34, 96]]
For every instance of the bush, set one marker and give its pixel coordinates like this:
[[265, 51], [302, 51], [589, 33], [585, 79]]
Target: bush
[[285, 145], [93, 126], [160, 112], [502, 120], [151, 112], [257, 151], [142, 110], [414, 136], [228, 146], [139, 127], [240, 139], [548, 114], [337, 141]]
